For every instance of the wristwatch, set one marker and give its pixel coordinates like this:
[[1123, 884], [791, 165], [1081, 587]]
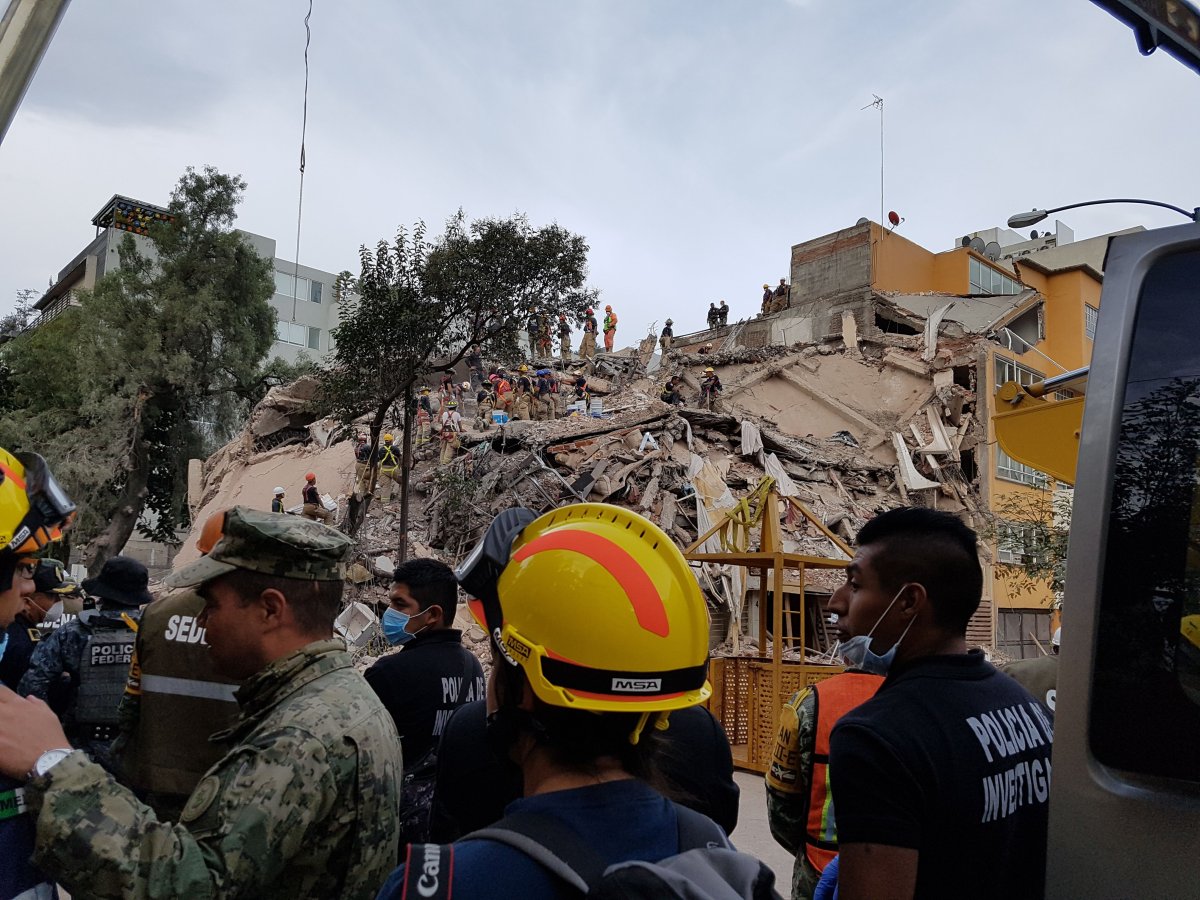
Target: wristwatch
[[48, 761]]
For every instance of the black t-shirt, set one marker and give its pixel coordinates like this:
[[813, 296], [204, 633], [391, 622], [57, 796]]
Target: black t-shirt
[[422, 684], [951, 758]]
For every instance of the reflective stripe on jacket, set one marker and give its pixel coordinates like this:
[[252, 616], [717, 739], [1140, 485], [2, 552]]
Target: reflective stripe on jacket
[[835, 697]]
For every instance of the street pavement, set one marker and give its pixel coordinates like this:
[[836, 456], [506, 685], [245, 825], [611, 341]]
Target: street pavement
[[753, 834]]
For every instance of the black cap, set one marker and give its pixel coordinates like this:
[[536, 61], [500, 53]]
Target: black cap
[[50, 578], [122, 580]]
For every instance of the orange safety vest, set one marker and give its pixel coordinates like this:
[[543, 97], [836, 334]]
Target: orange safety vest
[[835, 697]]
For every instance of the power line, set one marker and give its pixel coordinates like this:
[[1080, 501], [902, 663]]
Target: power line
[[303, 133]]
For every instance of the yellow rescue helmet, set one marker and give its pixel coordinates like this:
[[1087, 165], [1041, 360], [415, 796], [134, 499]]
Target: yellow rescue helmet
[[602, 612], [387, 438], [34, 509], [708, 370]]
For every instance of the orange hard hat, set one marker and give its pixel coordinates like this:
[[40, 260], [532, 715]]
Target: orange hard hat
[[309, 476]]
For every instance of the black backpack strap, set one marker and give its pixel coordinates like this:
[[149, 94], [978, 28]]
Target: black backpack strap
[[697, 830], [549, 843], [428, 872]]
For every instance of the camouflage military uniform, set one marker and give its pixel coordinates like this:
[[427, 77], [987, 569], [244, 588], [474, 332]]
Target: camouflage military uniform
[[788, 782], [303, 805]]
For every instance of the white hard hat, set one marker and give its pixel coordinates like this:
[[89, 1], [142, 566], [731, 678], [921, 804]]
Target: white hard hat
[[279, 490], [466, 385], [1057, 639]]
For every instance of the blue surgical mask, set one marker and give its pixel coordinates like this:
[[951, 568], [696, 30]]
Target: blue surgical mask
[[3, 644], [856, 653], [395, 626]]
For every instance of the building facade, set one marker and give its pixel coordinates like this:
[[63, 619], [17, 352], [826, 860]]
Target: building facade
[[304, 302]]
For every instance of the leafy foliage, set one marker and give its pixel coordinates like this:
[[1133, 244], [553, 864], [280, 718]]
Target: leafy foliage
[[420, 303], [1033, 526], [156, 365]]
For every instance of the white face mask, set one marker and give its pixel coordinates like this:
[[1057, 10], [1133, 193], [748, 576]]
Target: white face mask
[[856, 653]]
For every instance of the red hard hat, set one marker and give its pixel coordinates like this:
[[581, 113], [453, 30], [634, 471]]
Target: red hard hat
[[309, 476], [589, 310]]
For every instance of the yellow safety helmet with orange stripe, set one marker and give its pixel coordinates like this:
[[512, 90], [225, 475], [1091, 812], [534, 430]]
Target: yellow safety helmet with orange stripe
[[596, 605], [34, 509]]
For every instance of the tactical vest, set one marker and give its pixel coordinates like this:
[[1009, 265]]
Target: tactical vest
[[103, 671], [182, 701], [835, 697]]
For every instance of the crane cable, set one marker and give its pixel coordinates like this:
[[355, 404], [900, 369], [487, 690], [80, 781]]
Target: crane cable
[[303, 133]]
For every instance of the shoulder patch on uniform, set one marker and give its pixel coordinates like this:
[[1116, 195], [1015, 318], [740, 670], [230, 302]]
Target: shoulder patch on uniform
[[202, 798]]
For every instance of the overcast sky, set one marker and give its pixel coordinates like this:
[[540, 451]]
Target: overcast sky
[[692, 142]]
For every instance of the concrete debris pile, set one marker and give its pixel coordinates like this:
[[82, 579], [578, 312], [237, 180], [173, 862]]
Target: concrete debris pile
[[849, 427]]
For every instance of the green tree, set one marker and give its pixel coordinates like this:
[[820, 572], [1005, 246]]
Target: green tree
[[419, 304], [156, 365]]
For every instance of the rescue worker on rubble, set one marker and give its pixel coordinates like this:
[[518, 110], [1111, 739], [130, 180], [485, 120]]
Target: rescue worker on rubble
[[445, 389], [388, 460], [451, 428], [33, 506], [522, 404], [710, 389], [587, 752], [545, 342], [610, 328], [50, 585], [670, 392], [314, 506], [424, 417], [667, 336], [303, 805], [705, 348], [484, 404], [712, 315], [587, 349], [564, 338], [545, 389], [783, 294], [581, 392], [277, 499], [504, 395], [532, 326], [89, 658], [475, 365], [766, 300], [362, 466], [723, 314], [175, 702]]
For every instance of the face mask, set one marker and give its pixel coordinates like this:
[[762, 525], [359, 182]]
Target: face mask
[[3, 644], [395, 626], [856, 653]]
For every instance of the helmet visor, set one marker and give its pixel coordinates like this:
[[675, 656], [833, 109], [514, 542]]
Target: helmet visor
[[50, 509]]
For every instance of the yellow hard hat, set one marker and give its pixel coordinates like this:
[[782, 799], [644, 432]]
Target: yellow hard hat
[[1189, 627], [34, 509], [522, 368], [387, 438], [707, 369], [599, 608]]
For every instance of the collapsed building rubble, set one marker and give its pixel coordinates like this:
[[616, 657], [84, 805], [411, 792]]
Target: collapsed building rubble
[[848, 426]]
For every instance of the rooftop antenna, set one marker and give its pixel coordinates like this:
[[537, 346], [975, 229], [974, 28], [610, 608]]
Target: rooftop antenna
[[877, 103]]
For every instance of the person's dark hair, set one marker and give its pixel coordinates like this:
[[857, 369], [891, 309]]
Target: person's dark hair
[[430, 581], [931, 548], [315, 604]]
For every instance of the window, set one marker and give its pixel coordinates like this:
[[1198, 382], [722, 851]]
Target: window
[[292, 333], [1017, 543], [986, 280], [1145, 703], [305, 288], [1011, 370], [314, 338], [1011, 470], [1090, 316]]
